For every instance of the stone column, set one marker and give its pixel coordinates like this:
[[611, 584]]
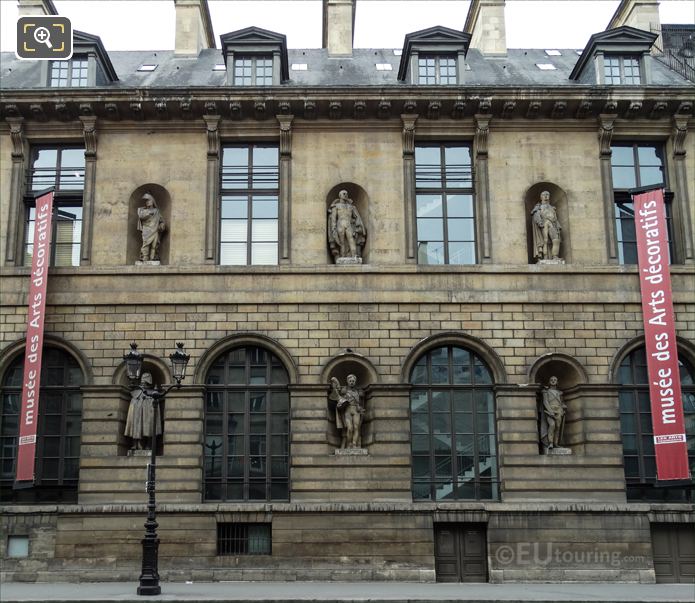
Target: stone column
[[212, 186], [682, 210], [482, 189], [605, 134], [409, 121], [285, 187], [15, 221], [89, 130]]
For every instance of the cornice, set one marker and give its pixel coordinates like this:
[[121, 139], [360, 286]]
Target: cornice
[[348, 103]]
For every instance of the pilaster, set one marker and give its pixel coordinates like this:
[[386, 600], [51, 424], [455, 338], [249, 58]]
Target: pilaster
[[14, 221], [605, 135], [409, 121], [482, 188], [682, 210], [285, 186], [212, 184], [89, 131]]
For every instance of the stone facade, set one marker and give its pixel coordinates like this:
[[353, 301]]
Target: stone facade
[[354, 517]]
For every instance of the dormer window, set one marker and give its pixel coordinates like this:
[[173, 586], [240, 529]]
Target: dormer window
[[615, 57], [436, 69], [621, 70], [255, 57], [253, 70], [90, 65], [72, 73], [434, 56]]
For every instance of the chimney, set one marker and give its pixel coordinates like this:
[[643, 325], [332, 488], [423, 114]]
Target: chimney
[[29, 8], [193, 27], [640, 14], [485, 23], [338, 26]]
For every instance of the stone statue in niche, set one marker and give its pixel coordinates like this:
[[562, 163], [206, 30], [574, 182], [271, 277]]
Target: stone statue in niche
[[552, 413], [546, 231], [346, 230], [151, 225], [141, 413], [349, 411]]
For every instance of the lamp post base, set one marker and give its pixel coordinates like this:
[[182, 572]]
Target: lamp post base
[[150, 590]]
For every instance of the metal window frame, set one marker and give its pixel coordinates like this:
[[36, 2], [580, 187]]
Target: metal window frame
[[450, 387], [437, 68], [444, 190], [254, 59], [249, 193], [248, 389]]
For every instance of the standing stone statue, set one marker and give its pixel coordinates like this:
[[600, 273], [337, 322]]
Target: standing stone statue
[[346, 231], [151, 224], [552, 416], [349, 411], [546, 230], [141, 413]]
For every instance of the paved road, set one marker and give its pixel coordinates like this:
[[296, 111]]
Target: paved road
[[344, 592]]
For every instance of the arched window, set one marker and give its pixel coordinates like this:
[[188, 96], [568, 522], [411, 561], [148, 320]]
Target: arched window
[[453, 429], [247, 416], [60, 418], [638, 434]]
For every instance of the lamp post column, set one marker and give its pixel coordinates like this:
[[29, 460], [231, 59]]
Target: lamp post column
[[149, 578]]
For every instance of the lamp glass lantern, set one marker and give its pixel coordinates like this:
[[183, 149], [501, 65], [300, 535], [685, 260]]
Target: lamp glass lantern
[[179, 361], [133, 362]]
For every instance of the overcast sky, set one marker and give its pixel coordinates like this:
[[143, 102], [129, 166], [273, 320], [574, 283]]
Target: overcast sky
[[149, 24]]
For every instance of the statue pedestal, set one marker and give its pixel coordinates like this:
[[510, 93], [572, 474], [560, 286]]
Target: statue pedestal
[[557, 262], [347, 261], [351, 452], [148, 263], [147, 453], [557, 451]]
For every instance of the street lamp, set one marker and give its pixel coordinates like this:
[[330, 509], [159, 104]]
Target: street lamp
[[149, 578]]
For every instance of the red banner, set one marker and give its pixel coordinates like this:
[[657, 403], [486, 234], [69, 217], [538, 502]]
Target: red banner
[[29, 417], [660, 337]]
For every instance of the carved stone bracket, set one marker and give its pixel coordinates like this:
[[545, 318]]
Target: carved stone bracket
[[335, 110], [409, 120], [584, 109], [482, 129], [384, 109], [534, 109], [559, 110], [17, 136], [508, 109], [359, 110], [285, 134], [235, 110], [680, 131], [433, 109], [605, 132], [89, 130], [212, 124]]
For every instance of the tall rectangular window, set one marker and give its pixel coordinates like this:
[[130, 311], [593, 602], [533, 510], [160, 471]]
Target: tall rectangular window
[[63, 168], [249, 205], [621, 70], [72, 73], [445, 212], [436, 70], [253, 71], [634, 165]]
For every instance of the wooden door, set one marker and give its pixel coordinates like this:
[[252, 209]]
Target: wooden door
[[460, 552], [673, 547]]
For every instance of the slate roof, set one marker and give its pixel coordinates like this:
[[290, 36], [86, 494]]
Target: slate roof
[[517, 69]]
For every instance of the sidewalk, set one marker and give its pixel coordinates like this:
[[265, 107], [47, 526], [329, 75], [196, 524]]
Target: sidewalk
[[347, 592]]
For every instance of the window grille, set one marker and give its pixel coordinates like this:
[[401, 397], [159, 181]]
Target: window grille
[[244, 539]]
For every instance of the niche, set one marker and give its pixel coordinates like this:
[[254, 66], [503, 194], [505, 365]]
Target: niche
[[160, 376], [558, 198], [571, 379], [163, 201], [342, 365], [361, 201]]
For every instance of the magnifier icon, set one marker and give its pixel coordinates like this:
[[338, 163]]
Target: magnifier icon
[[43, 36]]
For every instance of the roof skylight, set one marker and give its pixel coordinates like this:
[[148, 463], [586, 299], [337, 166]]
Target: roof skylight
[[299, 67], [546, 66], [553, 53], [384, 67], [147, 67]]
